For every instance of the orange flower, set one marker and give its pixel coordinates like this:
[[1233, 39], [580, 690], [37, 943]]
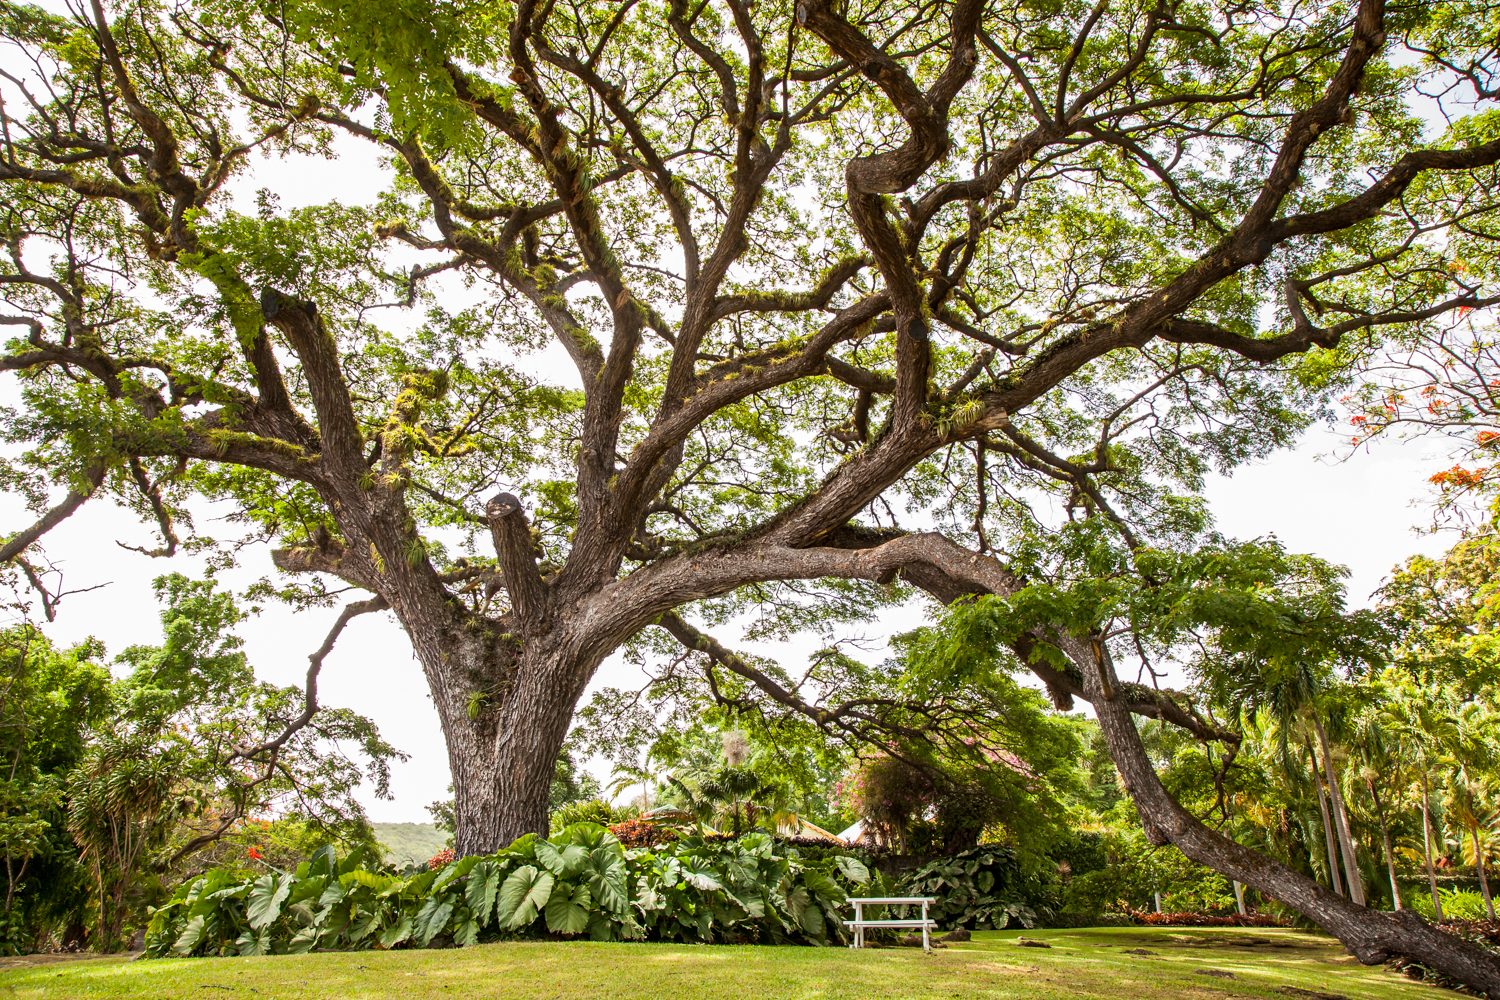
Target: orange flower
[[1459, 478]]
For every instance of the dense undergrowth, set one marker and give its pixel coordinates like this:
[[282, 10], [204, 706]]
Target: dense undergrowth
[[581, 882], [633, 881]]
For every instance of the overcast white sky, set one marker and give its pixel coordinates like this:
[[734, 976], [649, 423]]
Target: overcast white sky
[[1359, 512]]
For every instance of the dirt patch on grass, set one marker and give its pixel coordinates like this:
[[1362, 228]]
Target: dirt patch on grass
[[62, 958]]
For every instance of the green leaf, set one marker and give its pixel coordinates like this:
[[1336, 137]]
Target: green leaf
[[607, 878], [266, 897], [568, 909], [699, 879], [250, 943], [853, 869], [522, 896], [484, 885], [191, 934], [397, 932], [431, 919], [373, 880], [302, 942], [565, 862]]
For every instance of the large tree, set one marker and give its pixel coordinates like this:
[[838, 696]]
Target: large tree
[[809, 264]]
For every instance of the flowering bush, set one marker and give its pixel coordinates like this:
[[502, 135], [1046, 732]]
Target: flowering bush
[[441, 859], [642, 833]]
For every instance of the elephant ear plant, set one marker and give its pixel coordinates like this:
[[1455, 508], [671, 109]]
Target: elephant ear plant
[[979, 889], [581, 882]]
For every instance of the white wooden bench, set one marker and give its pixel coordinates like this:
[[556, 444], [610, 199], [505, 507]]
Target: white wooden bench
[[859, 923]]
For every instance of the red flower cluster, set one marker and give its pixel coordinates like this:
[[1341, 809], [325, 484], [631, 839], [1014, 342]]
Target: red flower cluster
[[1459, 478], [254, 852], [639, 833], [441, 859]]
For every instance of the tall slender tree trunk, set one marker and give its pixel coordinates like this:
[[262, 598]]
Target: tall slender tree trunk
[[1340, 817], [1333, 855], [1437, 904], [1385, 836], [1239, 897], [1484, 882]]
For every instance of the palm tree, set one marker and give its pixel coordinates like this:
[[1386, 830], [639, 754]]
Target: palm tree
[[1423, 730], [1340, 812], [1473, 751], [1292, 696], [1333, 856], [1374, 743]]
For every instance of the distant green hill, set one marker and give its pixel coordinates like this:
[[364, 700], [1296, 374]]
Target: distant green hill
[[409, 843]]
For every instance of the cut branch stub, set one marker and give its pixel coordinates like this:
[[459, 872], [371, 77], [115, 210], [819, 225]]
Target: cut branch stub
[[512, 538]]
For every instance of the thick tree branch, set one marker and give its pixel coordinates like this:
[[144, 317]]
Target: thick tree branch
[[23, 540]]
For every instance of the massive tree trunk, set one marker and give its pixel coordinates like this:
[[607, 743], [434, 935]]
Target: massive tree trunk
[[1372, 935], [505, 704]]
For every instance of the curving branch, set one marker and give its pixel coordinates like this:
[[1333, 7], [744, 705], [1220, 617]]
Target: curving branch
[[22, 540]]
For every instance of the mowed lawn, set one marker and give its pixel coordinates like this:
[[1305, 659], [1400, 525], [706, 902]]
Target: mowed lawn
[[1103, 963]]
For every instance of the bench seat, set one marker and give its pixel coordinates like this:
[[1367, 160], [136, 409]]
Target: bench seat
[[860, 923]]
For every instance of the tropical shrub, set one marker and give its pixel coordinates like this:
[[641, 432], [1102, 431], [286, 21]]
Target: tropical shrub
[[591, 811], [1189, 919], [984, 888], [1458, 904], [642, 833], [582, 881]]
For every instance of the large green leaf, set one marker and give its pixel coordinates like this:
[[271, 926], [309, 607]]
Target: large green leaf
[[457, 869], [250, 943], [607, 876], [303, 941], [796, 905], [700, 878], [431, 919], [484, 885], [853, 869], [589, 836], [191, 934], [266, 897], [397, 932], [564, 862], [568, 909], [813, 923], [523, 895], [375, 880]]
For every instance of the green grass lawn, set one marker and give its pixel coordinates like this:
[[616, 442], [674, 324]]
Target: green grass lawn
[[1102, 963]]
